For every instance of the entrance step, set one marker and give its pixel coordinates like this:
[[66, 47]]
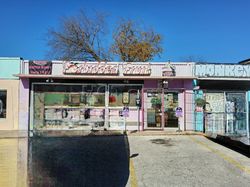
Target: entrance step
[[162, 132]]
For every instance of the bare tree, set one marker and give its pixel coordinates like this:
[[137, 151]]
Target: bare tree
[[133, 44], [79, 38]]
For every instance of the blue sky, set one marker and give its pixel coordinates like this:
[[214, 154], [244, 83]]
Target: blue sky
[[207, 30]]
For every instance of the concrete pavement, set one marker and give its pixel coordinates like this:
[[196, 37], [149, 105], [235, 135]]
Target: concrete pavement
[[191, 160], [165, 160]]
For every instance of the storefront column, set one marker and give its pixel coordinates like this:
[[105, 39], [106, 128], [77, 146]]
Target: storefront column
[[247, 111], [106, 120], [24, 105]]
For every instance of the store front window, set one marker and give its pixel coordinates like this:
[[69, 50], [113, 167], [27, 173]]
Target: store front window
[[3, 101], [68, 106], [215, 112], [236, 113], [122, 105], [225, 112], [120, 95]]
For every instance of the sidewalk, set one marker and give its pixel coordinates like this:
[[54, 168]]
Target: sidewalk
[[162, 133], [13, 134]]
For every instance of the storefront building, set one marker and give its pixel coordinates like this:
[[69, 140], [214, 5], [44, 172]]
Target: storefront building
[[106, 95], [9, 94], [225, 89]]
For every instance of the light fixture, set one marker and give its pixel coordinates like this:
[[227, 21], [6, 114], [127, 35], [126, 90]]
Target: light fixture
[[49, 80]]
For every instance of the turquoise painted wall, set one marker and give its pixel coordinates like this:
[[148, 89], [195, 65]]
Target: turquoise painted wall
[[9, 66]]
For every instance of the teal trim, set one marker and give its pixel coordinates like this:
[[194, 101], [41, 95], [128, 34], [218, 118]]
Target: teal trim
[[9, 66], [199, 115]]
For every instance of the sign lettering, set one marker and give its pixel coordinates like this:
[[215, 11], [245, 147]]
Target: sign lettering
[[220, 70], [90, 68], [134, 69]]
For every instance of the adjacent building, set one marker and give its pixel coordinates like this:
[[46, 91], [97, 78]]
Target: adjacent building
[[225, 89], [9, 94]]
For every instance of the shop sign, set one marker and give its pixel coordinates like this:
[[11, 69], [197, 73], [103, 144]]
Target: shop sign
[[168, 70], [222, 70], [136, 69], [90, 68], [40, 67]]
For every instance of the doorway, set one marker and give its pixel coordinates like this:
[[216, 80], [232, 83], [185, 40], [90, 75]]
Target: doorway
[[170, 104], [153, 108], [159, 109]]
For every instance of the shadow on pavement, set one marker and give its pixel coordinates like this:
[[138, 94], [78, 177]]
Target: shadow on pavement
[[232, 144], [79, 161]]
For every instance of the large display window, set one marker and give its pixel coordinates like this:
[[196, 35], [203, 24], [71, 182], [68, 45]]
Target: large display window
[[68, 106], [84, 106]]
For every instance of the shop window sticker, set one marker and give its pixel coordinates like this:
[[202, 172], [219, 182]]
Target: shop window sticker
[[125, 98]]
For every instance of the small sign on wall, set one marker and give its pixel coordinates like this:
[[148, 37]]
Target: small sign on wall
[[178, 112], [125, 111], [40, 67]]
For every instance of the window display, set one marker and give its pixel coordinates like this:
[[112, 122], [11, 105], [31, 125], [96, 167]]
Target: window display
[[123, 94], [215, 108], [68, 106], [226, 112]]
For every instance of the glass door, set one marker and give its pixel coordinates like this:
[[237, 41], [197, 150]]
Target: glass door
[[153, 108], [170, 104]]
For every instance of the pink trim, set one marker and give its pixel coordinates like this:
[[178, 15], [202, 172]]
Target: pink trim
[[142, 104], [162, 110]]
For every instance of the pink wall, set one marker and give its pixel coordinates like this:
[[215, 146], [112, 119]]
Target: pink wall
[[187, 84], [183, 97], [150, 84], [24, 104]]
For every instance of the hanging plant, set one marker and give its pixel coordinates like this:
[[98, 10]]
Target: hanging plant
[[199, 102]]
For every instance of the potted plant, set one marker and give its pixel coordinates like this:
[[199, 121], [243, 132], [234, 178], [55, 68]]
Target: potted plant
[[200, 104]]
